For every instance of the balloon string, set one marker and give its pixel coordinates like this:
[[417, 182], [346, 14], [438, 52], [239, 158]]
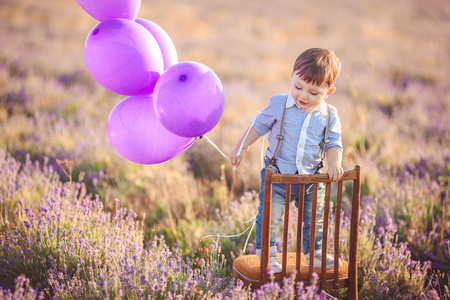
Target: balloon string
[[239, 153], [248, 131], [236, 235], [242, 144], [217, 148], [262, 154], [248, 236]]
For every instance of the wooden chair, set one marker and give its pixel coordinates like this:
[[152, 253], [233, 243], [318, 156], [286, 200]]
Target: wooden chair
[[248, 268]]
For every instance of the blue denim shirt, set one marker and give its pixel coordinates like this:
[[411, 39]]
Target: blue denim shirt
[[303, 135]]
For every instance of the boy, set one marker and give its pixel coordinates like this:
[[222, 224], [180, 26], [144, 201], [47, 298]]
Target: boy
[[299, 152]]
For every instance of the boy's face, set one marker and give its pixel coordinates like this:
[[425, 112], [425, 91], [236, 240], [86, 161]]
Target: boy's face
[[307, 95]]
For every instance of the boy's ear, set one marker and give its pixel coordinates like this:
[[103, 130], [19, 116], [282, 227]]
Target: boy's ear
[[330, 91]]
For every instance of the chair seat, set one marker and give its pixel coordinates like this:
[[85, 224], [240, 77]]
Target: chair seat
[[247, 269]]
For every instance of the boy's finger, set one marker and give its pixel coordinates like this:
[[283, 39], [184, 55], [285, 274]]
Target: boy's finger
[[330, 175], [335, 175], [236, 161]]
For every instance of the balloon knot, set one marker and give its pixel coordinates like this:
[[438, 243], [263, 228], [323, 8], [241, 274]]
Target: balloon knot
[[95, 31], [183, 77], [200, 137]]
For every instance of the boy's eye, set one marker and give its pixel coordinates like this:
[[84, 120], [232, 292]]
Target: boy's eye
[[314, 94], [298, 88]]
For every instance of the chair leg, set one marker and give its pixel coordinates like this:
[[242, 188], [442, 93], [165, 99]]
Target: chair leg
[[352, 293]]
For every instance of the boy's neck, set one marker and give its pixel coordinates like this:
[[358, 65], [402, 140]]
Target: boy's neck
[[310, 109]]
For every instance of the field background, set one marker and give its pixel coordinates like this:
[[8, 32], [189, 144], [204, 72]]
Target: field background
[[393, 98]]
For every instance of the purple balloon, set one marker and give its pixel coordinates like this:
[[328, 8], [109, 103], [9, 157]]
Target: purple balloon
[[136, 133], [168, 51], [189, 99], [104, 10], [123, 57]]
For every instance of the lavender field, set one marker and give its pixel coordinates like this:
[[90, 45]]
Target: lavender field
[[78, 221]]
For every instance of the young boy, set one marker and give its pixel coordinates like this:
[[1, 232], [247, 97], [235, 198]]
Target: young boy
[[314, 75]]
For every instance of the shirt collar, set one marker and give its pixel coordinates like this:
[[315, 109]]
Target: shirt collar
[[321, 108], [290, 101]]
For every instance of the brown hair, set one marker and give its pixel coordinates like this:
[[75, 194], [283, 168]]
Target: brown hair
[[317, 65]]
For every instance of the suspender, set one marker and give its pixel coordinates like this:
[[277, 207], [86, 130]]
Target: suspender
[[325, 138], [273, 160]]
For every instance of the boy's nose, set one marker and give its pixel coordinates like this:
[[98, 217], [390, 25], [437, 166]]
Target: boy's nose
[[303, 95]]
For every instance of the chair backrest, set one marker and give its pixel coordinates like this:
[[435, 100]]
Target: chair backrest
[[334, 279]]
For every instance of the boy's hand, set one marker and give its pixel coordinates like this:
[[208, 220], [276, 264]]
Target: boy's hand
[[335, 172], [247, 140], [334, 159], [234, 159]]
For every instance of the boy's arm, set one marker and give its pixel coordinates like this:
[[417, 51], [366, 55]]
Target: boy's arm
[[334, 160], [252, 137]]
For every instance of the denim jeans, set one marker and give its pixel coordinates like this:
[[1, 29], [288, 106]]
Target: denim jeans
[[278, 202]]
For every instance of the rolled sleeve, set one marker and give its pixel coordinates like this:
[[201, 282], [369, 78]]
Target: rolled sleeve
[[265, 119], [335, 131]]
